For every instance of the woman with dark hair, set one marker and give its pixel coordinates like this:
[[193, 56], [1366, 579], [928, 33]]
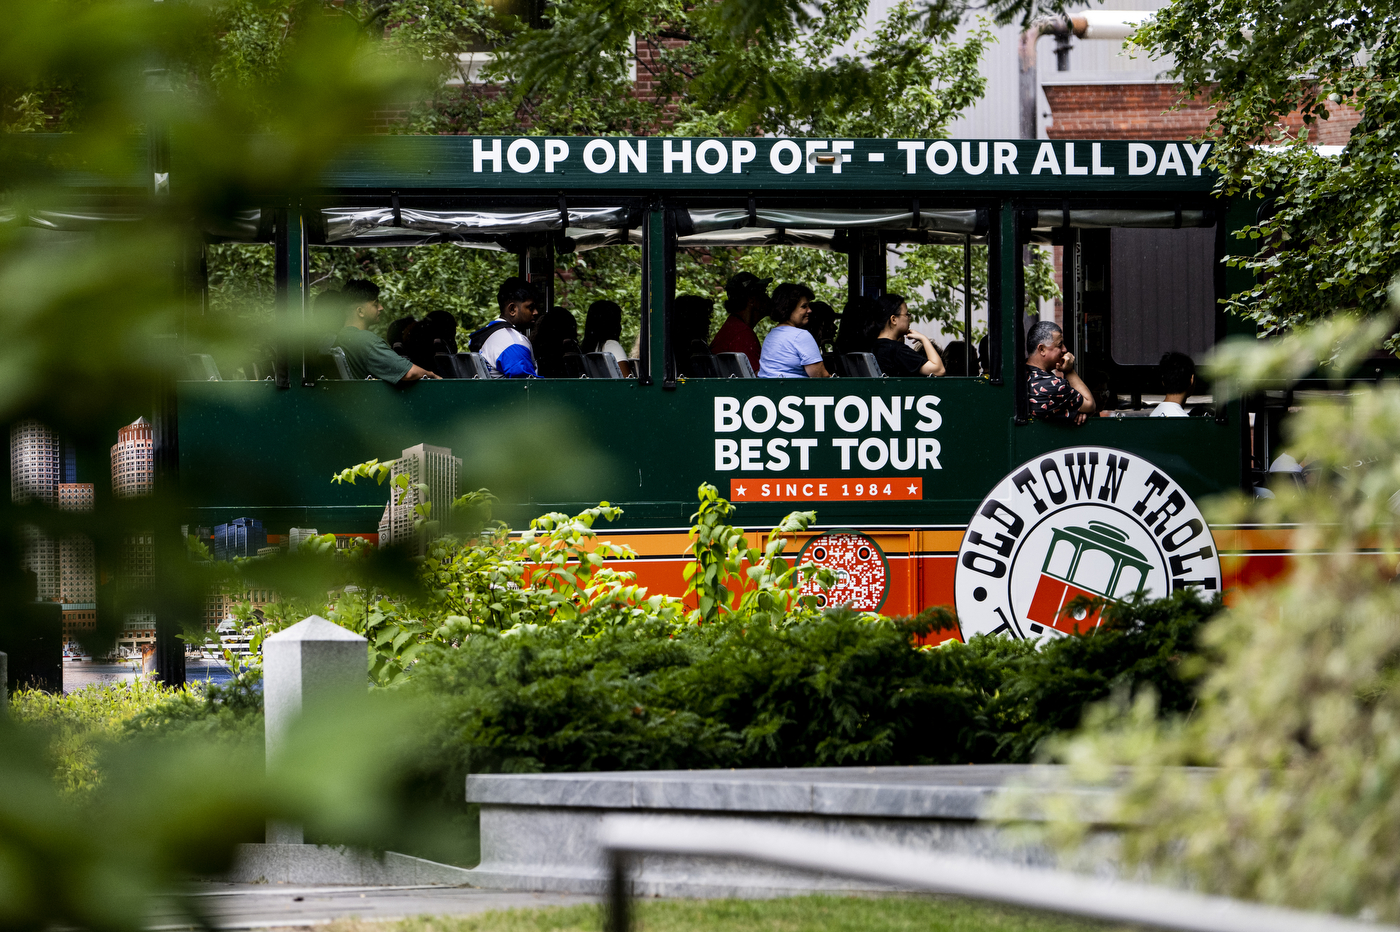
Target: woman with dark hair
[[789, 352], [859, 327], [443, 327], [895, 355], [435, 333], [602, 332], [398, 333], [556, 336], [821, 323], [690, 331]]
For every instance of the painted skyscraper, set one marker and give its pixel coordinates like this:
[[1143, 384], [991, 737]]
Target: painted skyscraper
[[434, 467], [241, 537], [65, 569], [36, 463], [77, 565], [133, 460], [133, 475], [36, 468]]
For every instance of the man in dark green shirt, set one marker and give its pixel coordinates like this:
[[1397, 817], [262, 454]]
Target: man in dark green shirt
[[366, 353]]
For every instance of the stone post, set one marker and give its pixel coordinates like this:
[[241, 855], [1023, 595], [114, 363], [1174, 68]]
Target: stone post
[[306, 665]]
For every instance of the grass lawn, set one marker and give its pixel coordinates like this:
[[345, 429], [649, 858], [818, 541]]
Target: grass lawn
[[790, 914]]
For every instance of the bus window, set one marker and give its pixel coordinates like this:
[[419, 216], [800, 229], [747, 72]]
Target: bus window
[[431, 258], [936, 258], [1136, 284]]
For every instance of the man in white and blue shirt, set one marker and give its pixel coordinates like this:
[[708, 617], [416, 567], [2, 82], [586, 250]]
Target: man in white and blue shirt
[[503, 342]]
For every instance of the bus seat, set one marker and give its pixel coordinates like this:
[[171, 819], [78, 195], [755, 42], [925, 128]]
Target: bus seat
[[858, 366], [704, 366], [202, 368], [601, 366], [342, 368], [399, 348], [472, 366], [445, 365], [734, 366], [573, 366]]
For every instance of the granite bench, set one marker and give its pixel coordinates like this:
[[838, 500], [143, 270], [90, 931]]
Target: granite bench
[[537, 830]]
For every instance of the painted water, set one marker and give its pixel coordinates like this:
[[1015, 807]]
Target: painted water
[[76, 674]]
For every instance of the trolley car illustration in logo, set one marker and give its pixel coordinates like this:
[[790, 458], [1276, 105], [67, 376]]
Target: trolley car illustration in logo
[[1096, 562], [1081, 521]]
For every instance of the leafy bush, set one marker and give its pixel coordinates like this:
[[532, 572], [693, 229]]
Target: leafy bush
[[1299, 711], [837, 689], [79, 726]]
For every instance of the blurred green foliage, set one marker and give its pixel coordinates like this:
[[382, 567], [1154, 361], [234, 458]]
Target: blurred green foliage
[[79, 724], [1298, 709]]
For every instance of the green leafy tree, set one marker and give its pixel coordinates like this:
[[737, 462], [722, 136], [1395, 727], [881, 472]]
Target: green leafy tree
[[1326, 224], [716, 69]]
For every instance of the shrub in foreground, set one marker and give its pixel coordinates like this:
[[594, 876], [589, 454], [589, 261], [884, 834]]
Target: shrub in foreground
[[839, 689]]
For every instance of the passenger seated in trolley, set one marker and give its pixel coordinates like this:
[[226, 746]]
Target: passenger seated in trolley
[[895, 356], [602, 333], [690, 333], [1055, 390], [860, 326], [366, 353], [1178, 375], [789, 352], [503, 343], [746, 301]]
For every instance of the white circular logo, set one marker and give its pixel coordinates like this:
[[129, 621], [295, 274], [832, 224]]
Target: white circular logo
[[1081, 521]]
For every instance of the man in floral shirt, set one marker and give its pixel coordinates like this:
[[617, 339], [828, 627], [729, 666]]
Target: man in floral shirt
[[1055, 390]]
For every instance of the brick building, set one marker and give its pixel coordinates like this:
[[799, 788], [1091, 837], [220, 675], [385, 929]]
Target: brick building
[[1144, 110]]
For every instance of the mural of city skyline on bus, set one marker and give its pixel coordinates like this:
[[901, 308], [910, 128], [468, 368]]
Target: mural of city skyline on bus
[[44, 470]]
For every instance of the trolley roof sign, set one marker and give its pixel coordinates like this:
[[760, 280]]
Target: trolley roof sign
[[1078, 522], [689, 163]]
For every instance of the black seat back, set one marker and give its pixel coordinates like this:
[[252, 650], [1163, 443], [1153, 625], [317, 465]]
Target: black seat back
[[601, 366], [472, 366], [858, 366], [734, 366], [571, 366], [342, 368], [704, 366], [445, 365]]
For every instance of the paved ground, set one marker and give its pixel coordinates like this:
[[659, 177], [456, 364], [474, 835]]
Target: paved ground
[[266, 906]]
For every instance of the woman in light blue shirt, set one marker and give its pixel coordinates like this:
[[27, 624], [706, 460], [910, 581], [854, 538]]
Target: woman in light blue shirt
[[789, 352]]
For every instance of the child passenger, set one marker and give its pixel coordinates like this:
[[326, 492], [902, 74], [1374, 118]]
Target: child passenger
[[790, 352]]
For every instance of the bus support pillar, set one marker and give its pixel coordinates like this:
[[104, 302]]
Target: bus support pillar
[[537, 268], [293, 286], [866, 269]]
